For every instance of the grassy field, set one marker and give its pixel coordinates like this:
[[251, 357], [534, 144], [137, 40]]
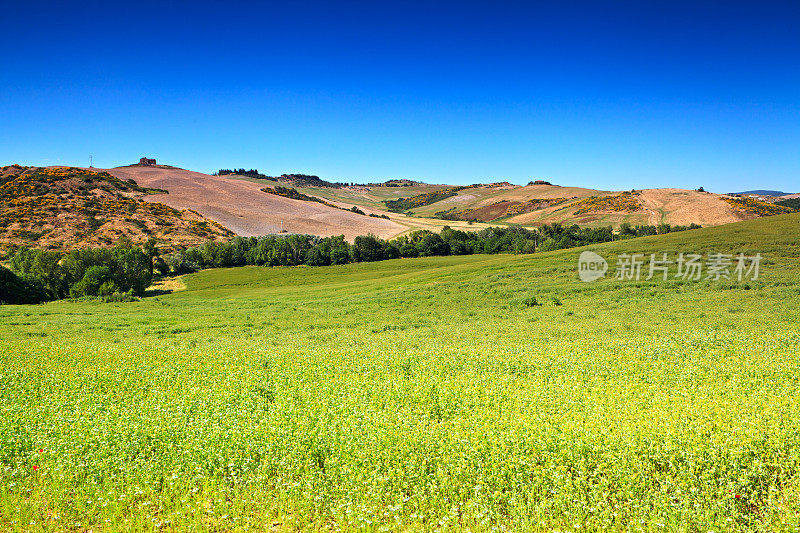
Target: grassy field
[[457, 393]]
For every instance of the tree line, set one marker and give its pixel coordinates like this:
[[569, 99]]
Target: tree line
[[252, 173], [310, 250], [126, 270], [626, 230], [302, 179], [119, 273]]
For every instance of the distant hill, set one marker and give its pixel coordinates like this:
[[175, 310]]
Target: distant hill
[[241, 206], [197, 206], [543, 203], [763, 192], [64, 208]]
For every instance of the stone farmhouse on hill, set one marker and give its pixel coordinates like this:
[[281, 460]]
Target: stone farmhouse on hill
[[145, 162]]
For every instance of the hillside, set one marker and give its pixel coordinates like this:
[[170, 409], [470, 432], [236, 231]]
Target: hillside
[[241, 206], [66, 208], [546, 204], [218, 206], [231, 200], [371, 197], [285, 398]]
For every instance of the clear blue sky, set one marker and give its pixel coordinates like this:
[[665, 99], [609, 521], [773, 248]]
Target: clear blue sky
[[613, 95]]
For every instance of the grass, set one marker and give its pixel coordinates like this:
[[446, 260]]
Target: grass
[[455, 393]]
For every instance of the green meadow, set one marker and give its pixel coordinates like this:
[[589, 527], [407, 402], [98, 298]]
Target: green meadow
[[474, 393]]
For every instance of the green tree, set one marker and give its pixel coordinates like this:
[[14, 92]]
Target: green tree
[[340, 250], [44, 266], [151, 252], [367, 248], [131, 269], [95, 277]]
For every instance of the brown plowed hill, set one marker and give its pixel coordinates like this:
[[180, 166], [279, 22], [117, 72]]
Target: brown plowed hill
[[670, 206], [242, 207], [683, 207], [655, 206]]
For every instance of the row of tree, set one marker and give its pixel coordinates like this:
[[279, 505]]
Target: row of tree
[[316, 251], [252, 173], [41, 275], [626, 230]]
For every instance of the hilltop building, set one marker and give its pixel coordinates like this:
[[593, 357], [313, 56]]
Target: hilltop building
[[145, 162]]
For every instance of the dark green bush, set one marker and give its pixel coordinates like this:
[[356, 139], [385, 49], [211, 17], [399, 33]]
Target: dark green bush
[[16, 289]]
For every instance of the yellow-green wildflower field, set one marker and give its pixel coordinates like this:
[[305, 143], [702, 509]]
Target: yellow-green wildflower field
[[457, 394]]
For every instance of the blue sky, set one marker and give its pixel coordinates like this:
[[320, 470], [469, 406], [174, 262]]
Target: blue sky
[[613, 95]]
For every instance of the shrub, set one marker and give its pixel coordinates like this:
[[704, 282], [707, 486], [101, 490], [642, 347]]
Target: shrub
[[762, 209], [120, 297], [791, 203], [530, 301], [625, 201]]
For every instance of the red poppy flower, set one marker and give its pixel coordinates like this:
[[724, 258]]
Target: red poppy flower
[[35, 468], [738, 496], [41, 450]]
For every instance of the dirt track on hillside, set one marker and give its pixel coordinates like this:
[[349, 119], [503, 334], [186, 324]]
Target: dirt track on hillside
[[682, 207], [240, 206]]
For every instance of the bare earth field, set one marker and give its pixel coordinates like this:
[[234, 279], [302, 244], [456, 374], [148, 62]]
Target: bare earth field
[[237, 203], [682, 207], [240, 205], [669, 205]]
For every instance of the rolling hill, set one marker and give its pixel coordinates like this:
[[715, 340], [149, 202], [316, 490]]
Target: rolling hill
[[242, 207], [67, 208], [545, 204], [239, 204], [203, 206]]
